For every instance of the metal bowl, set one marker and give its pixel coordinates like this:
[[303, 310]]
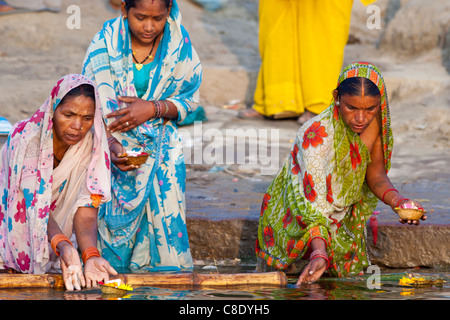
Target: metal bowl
[[410, 214]]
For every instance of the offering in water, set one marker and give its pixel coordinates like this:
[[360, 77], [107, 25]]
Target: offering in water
[[420, 281], [114, 287]]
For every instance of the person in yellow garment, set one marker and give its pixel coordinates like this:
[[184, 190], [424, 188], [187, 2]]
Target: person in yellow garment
[[302, 51]]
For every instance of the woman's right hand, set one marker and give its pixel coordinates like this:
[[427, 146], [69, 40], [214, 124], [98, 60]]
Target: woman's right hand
[[72, 271], [313, 271]]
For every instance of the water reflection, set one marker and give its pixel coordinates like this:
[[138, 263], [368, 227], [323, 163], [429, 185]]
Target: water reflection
[[325, 289]]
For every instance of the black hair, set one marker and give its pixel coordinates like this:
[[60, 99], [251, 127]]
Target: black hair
[[86, 90], [132, 3], [353, 86]]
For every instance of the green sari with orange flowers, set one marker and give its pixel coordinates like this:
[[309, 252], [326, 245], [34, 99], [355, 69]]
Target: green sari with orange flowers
[[321, 191]]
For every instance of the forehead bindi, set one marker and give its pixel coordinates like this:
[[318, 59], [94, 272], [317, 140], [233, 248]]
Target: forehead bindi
[[150, 8]]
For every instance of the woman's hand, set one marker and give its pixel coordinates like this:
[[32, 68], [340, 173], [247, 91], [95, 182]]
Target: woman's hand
[[71, 268], [313, 271], [117, 152], [97, 269], [318, 263], [137, 112], [407, 204]]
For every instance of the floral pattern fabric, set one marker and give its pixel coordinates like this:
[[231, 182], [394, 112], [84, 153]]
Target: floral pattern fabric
[[144, 226], [30, 189], [321, 192]]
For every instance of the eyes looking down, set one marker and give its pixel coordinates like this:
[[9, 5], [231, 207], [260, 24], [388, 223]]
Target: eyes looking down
[[359, 102], [74, 116], [146, 18]]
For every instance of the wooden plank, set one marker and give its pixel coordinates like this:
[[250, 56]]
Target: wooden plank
[[276, 278], [198, 280]]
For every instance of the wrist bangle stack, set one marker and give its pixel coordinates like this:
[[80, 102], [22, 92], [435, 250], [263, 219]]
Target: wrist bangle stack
[[157, 109], [89, 253], [319, 254], [382, 198], [112, 141], [57, 239]]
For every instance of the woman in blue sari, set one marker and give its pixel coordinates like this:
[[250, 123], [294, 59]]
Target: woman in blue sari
[[148, 76]]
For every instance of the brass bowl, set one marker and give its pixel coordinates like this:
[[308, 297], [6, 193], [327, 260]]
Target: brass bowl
[[136, 160], [410, 214]]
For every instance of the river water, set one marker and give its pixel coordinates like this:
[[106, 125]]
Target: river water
[[385, 287]]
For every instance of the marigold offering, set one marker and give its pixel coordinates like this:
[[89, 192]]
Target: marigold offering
[[96, 200], [114, 287]]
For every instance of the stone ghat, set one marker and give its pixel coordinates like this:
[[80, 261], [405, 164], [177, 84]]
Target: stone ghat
[[397, 246], [222, 221]]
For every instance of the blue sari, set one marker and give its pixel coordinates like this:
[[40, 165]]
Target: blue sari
[[144, 225]]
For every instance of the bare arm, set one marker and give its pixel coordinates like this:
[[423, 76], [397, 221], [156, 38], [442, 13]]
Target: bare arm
[[85, 225], [377, 179]]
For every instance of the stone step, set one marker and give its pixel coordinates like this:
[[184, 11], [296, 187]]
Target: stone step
[[397, 246]]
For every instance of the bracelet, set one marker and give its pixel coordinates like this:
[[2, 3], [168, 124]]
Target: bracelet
[[166, 108], [157, 109], [89, 253], [401, 201], [382, 198], [57, 238], [320, 254], [111, 141]]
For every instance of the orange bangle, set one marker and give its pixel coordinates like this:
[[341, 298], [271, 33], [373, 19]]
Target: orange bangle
[[89, 253], [57, 239]]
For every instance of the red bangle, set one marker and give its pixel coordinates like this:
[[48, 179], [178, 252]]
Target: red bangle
[[319, 254], [382, 198], [401, 201], [89, 253]]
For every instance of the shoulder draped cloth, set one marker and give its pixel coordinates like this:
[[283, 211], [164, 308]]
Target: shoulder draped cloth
[[30, 189], [321, 191]]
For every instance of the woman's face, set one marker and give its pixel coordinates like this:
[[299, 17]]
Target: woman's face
[[72, 120], [359, 111], [146, 20]]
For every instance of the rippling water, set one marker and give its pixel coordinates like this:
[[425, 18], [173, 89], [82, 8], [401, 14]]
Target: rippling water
[[325, 289]]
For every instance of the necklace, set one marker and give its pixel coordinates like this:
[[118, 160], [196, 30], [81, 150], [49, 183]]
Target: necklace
[[56, 162], [139, 65]]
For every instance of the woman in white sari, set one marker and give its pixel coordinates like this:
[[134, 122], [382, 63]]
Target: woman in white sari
[[55, 171]]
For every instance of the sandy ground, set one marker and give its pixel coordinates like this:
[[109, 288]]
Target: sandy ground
[[38, 48]]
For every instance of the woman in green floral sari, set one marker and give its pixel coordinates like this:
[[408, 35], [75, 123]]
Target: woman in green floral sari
[[314, 213]]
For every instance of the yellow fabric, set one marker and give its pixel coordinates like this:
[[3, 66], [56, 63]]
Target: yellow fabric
[[367, 2], [302, 50]]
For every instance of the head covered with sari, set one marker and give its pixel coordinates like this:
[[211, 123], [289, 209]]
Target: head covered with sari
[[321, 190], [175, 75], [31, 189]]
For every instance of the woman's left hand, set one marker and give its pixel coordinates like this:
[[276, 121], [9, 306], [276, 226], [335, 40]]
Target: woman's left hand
[[407, 203], [97, 269], [136, 113]]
